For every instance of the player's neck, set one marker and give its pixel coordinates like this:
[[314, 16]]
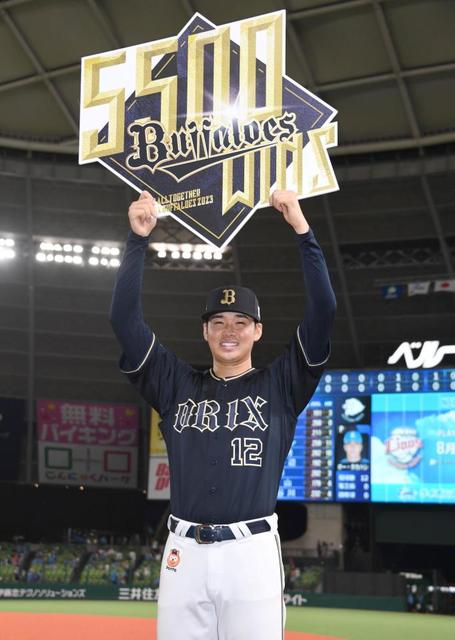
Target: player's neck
[[230, 369]]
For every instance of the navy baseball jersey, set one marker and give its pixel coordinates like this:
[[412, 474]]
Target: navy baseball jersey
[[227, 439]]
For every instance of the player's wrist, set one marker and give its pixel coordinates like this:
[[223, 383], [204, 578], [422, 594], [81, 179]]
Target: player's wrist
[[301, 226], [303, 238], [138, 238]]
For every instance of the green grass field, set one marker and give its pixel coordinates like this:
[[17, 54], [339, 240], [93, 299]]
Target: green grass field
[[344, 623]]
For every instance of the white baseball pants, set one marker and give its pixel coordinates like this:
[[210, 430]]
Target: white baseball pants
[[230, 590]]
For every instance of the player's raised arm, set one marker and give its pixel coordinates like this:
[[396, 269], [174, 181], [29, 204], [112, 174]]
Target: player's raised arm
[[320, 302], [126, 314]]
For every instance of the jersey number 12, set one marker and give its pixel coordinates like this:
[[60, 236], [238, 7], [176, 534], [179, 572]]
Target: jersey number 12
[[246, 452]]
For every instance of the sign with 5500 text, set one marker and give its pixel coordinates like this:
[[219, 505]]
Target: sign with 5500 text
[[208, 122]]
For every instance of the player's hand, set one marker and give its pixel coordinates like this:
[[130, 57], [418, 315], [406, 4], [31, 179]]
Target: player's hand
[[286, 202], [142, 214]]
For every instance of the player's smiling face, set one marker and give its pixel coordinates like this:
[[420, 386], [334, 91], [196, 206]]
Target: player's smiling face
[[231, 337]]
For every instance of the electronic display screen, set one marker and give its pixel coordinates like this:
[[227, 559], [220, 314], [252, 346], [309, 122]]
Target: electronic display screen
[[380, 436]]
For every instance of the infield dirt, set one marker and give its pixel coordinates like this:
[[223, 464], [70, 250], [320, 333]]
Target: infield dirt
[[55, 626]]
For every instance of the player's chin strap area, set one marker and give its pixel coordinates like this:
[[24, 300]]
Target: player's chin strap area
[[210, 533]]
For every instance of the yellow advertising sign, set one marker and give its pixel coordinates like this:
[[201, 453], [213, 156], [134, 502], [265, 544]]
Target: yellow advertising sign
[[157, 444]]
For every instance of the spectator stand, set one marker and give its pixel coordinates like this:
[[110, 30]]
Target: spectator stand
[[53, 563], [148, 570], [13, 561], [109, 565], [304, 568], [81, 563]]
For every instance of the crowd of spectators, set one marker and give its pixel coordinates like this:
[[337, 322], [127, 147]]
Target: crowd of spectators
[[109, 565], [89, 561], [11, 561], [301, 575], [98, 559], [52, 563]]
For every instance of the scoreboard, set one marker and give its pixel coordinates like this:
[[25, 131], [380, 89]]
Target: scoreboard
[[307, 474], [318, 451], [382, 436]]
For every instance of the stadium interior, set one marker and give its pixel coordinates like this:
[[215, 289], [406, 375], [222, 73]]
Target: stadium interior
[[388, 67]]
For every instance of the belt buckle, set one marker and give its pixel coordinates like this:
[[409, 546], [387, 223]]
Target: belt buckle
[[197, 533]]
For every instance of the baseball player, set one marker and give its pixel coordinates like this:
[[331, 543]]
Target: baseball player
[[353, 445], [228, 431]]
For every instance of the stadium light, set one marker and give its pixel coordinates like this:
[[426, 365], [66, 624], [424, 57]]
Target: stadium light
[[186, 251], [106, 250], [6, 249], [105, 255], [6, 253], [60, 252], [72, 253], [7, 242]]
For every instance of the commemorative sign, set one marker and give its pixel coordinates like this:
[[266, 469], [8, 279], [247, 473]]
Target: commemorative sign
[[208, 122]]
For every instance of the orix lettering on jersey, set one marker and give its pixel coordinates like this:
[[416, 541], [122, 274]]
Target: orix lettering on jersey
[[208, 415]]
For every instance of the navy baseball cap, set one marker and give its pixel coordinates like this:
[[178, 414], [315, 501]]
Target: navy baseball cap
[[352, 436], [232, 298]]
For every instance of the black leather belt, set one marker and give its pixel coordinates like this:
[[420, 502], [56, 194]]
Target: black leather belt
[[210, 533]]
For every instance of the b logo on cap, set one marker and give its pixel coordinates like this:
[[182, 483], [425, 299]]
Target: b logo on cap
[[229, 297]]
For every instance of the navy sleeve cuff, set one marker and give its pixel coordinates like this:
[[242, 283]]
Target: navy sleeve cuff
[[301, 238], [134, 238]]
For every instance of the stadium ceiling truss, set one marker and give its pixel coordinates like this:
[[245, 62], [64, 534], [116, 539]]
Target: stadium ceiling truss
[[398, 76]]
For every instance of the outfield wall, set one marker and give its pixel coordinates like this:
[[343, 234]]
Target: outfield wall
[[147, 594]]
